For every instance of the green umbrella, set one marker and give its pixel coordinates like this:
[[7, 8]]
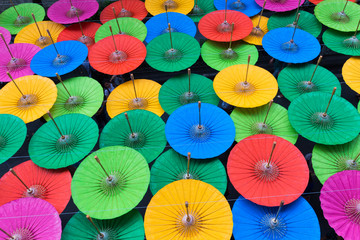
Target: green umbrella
[[186, 88], [64, 141], [201, 8], [12, 135], [268, 119], [17, 17], [171, 166], [77, 95], [324, 118], [110, 182], [328, 160], [127, 227], [125, 25], [298, 79], [141, 130], [171, 52], [219, 55], [306, 22], [343, 43]]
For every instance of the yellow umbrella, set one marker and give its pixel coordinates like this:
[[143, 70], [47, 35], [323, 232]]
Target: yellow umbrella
[[188, 209], [28, 97], [155, 7], [135, 94], [36, 34], [351, 73], [246, 86], [259, 30]]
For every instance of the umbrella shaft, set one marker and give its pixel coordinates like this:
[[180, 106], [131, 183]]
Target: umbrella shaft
[[11, 237]]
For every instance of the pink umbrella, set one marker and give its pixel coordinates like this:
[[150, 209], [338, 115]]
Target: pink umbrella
[[340, 202], [29, 218], [7, 37], [280, 5], [64, 11]]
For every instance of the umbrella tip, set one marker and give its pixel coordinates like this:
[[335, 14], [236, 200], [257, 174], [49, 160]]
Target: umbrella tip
[[88, 217]]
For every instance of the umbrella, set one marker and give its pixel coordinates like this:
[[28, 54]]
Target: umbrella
[[281, 5], [351, 73], [124, 8], [158, 25], [343, 43], [245, 86], [77, 95], [294, 221], [65, 11], [29, 180], [141, 130], [172, 52], [332, 120], [137, 94], [12, 135], [29, 218], [7, 36], [319, 1], [216, 25], [201, 8], [61, 57], [295, 80], [171, 166], [186, 88], [338, 14], [306, 21], [267, 169], [259, 30], [28, 97], [127, 227], [340, 203], [202, 129], [155, 7], [291, 45], [248, 7], [272, 119], [188, 209], [16, 18], [67, 140], [107, 196]]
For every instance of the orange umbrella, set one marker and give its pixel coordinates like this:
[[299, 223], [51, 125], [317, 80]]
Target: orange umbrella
[[124, 8]]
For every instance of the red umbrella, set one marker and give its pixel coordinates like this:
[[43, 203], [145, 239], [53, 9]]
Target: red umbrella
[[124, 8], [267, 169]]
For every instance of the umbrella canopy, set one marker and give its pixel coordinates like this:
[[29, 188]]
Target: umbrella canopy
[[77, 95], [253, 87], [201, 8], [343, 43], [158, 25], [200, 130], [259, 30], [16, 18], [137, 94], [216, 25], [141, 130], [306, 21], [248, 7], [66, 12], [29, 218], [268, 119], [351, 73], [124, 8], [37, 96], [172, 52], [127, 227], [339, 198], [117, 56], [267, 169], [12, 135], [295, 80], [186, 88], [329, 160], [280, 5], [36, 34], [293, 221], [7, 36], [284, 45], [325, 122], [62, 57], [107, 196], [171, 167], [32, 181], [189, 209], [156, 7], [67, 139]]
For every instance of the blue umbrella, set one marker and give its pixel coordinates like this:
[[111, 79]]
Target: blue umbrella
[[291, 45], [62, 57], [215, 135], [294, 221], [179, 22], [248, 7]]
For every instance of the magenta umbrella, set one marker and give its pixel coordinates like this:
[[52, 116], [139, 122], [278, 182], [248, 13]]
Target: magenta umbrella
[[280, 5], [29, 218], [64, 11], [340, 202]]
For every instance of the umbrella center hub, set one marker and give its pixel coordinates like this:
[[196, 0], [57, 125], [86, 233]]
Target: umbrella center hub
[[23, 234], [352, 42], [73, 102], [118, 56], [21, 21], [229, 54], [266, 172], [322, 121], [244, 88], [306, 87], [261, 128], [290, 46], [16, 64], [186, 176], [124, 13], [173, 55], [340, 17], [27, 101], [104, 237], [112, 180], [86, 40], [292, 25], [199, 133], [352, 210], [60, 60], [257, 31], [188, 97], [350, 165], [2, 142], [188, 220], [72, 12], [43, 41], [138, 103], [136, 140], [35, 191], [166, 30], [278, 1], [197, 10], [224, 27], [66, 143], [238, 5], [170, 4], [272, 227]]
